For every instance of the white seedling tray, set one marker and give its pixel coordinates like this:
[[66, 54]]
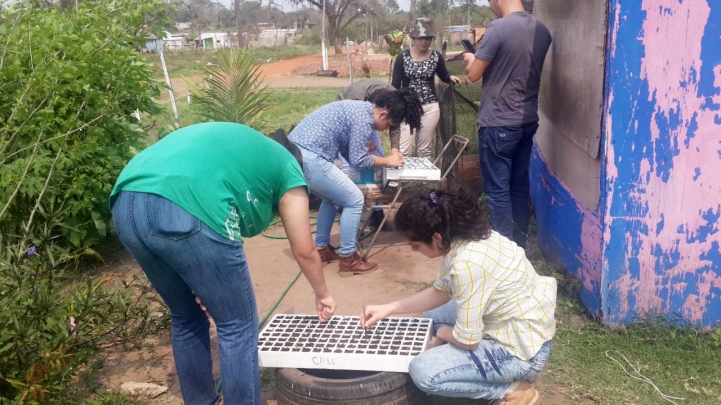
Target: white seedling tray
[[301, 341], [414, 168]]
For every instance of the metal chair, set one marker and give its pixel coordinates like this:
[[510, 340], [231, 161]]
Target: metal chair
[[462, 141]]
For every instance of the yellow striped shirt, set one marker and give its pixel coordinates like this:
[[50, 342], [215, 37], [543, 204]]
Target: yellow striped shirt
[[499, 294]]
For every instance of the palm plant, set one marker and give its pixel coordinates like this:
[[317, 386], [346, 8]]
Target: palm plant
[[233, 90]]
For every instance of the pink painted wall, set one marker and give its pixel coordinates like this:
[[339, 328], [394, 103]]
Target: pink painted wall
[[661, 159]]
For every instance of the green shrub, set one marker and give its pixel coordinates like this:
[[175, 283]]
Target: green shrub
[[69, 83]]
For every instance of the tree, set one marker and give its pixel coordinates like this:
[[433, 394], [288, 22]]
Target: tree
[[340, 13], [239, 22]]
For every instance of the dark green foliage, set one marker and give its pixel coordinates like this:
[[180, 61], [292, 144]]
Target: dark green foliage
[[70, 80], [69, 84]]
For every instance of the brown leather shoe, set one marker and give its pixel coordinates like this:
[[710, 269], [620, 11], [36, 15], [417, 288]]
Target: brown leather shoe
[[354, 265], [327, 254], [524, 394]]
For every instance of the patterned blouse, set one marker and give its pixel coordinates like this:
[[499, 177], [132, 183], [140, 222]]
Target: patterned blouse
[[341, 127], [419, 76]]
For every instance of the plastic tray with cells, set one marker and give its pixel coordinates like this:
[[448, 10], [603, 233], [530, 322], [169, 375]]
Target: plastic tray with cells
[[301, 341]]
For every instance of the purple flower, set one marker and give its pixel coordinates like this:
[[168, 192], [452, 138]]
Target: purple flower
[[99, 382], [32, 250], [434, 198]]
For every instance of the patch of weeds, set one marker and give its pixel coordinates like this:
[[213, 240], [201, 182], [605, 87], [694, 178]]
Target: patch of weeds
[[416, 285], [716, 336], [267, 377], [679, 359], [111, 398]]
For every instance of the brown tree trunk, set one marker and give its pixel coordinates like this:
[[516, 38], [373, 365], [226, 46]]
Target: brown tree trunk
[[239, 24]]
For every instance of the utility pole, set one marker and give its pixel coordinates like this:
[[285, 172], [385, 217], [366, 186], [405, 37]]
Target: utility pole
[[324, 52]]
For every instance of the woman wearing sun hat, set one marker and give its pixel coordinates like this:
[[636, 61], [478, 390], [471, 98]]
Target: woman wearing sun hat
[[416, 68]]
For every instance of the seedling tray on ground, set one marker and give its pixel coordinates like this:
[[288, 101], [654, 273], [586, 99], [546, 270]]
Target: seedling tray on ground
[[301, 341]]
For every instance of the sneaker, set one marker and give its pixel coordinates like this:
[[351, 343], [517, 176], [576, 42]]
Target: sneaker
[[327, 254], [524, 394]]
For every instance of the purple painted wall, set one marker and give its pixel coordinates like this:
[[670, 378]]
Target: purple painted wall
[[652, 242]]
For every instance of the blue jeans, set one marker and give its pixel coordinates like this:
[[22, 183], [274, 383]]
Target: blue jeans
[[505, 153], [329, 183], [184, 258], [485, 373]]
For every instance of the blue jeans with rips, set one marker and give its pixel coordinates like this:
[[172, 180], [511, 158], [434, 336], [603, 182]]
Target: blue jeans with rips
[[329, 183], [183, 258], [485, 373], [505, 153]]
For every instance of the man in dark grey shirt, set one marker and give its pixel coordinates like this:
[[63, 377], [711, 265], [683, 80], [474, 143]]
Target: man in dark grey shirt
[[509, 59]]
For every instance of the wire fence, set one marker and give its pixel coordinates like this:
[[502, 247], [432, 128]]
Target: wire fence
[[459, 109]]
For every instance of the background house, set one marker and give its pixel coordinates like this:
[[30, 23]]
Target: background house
[[213, 40], [273, 37], [624, 169]]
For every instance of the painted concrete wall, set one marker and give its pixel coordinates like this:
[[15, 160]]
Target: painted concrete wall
[[662, 154], [565, 167], [651, 244]]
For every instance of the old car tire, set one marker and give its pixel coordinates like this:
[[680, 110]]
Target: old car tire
[[324, 387]]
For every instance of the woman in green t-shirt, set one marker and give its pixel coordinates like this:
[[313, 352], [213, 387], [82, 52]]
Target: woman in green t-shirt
[[182, 207]]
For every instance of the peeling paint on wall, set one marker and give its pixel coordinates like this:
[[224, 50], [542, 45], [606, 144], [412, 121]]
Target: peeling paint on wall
[[662, 142], [564, 220], [654, 244]]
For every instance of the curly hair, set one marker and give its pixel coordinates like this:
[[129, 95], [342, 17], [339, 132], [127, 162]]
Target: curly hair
[[452, 214], [402, 105]]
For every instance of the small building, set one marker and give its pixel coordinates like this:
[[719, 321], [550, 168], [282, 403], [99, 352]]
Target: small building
[[154, 44], [213, 40], [458, 32], [273, 37], [182, 26], [174, 42]]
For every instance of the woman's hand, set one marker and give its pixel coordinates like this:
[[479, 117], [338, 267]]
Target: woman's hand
[[455, 79], [202, 307], [374, 313], [394, 160], [325, 307]]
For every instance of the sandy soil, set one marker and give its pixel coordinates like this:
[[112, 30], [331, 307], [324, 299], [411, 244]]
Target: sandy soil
[[402, 272]]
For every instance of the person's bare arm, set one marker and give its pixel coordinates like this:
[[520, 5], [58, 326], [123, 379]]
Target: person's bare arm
[[475, 67], [423, 301], [293, 210], [445, 335]]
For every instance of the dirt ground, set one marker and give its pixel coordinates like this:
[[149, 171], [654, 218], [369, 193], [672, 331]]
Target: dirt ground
[[402, 272]]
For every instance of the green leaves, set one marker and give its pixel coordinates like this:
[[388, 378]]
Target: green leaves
[[233, 91], [69, 83], [395, 41]]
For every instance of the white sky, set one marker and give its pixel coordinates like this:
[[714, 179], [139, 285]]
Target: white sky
[[288, 6]]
